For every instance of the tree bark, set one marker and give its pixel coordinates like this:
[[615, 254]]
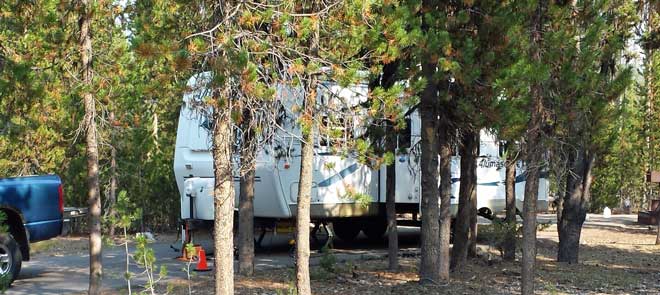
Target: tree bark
[[387, 81], [246, 221], [657, 237], [303, 285], [429, 271], [113, 181], [445, 198], [576, 204], [93, 193], [651, 88], [509, 245], [224, 202], [533, 154], [472, 242], [469, 151], [390, 207]]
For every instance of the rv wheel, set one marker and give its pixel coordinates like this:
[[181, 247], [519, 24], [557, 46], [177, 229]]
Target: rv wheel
[[375, 229], [345, 229]]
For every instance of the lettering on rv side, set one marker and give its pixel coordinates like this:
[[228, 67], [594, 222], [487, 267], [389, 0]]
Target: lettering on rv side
[[488, 162]]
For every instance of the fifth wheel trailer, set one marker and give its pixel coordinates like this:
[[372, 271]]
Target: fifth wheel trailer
[[336, 178]]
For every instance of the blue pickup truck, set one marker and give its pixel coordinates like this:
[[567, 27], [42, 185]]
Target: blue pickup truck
[[33, 207]]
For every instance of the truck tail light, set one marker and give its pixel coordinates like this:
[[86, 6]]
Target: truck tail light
[[60, 192]]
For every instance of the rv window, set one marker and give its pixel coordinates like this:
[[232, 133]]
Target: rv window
[[403, 137], [335, 131], [206, 124]]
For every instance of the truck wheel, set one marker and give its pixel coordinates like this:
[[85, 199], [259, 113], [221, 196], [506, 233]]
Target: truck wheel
[[10, 259], [375, 229], [345, 230]]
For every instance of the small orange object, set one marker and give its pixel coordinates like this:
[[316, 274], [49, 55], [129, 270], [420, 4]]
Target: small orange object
[[201, 263], [187, 256]]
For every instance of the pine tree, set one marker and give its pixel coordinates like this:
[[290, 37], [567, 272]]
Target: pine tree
[[595, 63]]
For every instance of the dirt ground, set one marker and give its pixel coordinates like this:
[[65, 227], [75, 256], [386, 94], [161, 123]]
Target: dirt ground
[[613, 261]]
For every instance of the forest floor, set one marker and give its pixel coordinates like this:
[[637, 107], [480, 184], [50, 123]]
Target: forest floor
[[613, 260], [616, 257]]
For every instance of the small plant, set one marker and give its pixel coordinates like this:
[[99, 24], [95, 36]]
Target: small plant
[[190, 248], [328, 260], [145, 257], [291, 286], [361, 199], [126, 214], [501, 231]]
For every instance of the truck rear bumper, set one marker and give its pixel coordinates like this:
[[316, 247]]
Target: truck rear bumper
[[66, 227], [72, 219]]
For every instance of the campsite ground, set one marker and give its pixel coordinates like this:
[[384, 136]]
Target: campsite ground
[[614, 260], [617, 257]]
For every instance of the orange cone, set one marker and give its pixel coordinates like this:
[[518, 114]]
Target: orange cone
[[201, 263]]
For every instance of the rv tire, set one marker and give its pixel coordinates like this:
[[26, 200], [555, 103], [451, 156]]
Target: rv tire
[[374, 229], [346, 230]]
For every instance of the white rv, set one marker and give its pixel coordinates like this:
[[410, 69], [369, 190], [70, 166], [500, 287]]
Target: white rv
[[336, 178]]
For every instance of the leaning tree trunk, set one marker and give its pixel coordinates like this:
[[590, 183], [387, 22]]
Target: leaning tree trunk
[[93, 193], [224, 203], [246, 221], [429, 271], [576, 203], [469, 151], [509, 245], [445, 198]]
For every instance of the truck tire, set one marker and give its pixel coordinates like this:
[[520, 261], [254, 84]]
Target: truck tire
[[10, 259], [347, 231]]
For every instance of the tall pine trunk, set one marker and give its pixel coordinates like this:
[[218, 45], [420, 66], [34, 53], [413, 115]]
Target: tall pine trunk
[[429, 271], [224, 202], [472, 242], [93, 193], [303, 285], [386, 81], [112, 196], [246, 221], [390, 208], [657, 236], [509, 245], [467, 195], [576, 204], [533, 155], [445, 197], [651, 88]]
